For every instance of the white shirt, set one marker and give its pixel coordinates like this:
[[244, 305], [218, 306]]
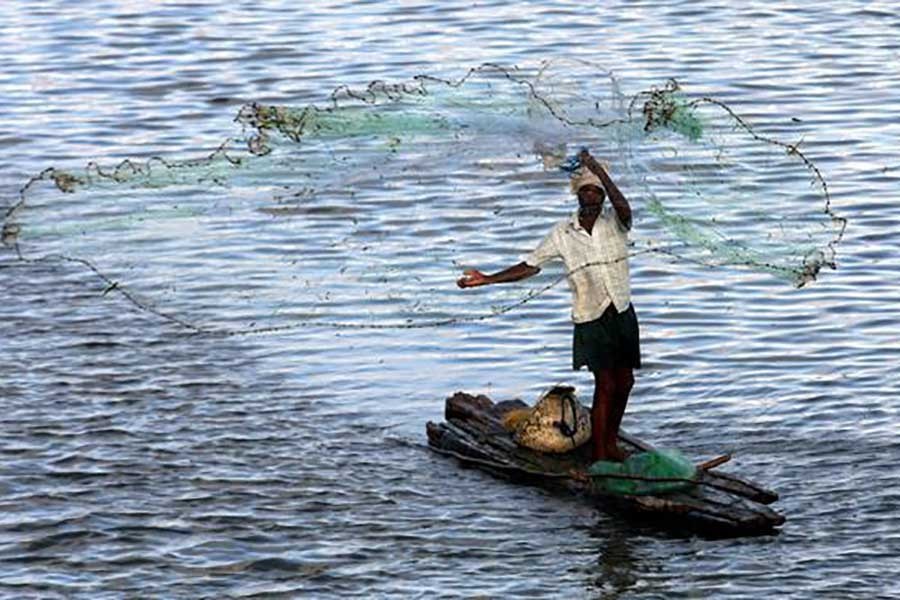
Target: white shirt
[[597, 262]]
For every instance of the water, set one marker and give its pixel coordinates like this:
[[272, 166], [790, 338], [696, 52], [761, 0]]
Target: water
[[137, 461]]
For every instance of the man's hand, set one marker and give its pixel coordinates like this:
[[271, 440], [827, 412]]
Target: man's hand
[[472, 278], [590, 162]]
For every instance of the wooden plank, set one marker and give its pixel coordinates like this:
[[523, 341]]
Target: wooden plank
[[473, 433], [728, 513], [480, 414], [714, 462]]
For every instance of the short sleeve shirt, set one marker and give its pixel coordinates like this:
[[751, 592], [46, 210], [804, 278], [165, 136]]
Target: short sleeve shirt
[[596, 262]]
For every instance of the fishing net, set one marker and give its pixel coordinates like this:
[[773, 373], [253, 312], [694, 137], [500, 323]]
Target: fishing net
[[647, 473], [361, 211]]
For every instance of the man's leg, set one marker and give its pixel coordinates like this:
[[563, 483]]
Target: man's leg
[[602, 412], [623, 381]]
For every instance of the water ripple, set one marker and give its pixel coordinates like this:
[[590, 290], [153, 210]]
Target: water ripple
[[138, 462]]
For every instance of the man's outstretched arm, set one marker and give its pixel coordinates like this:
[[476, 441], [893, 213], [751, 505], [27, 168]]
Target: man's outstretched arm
[[623, 210], [474, 277]]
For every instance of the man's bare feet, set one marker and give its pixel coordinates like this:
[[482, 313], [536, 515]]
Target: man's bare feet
[[605, 455], [614, 454]]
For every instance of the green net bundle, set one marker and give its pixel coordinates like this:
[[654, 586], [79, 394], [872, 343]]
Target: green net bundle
[[656, 472], [358, 210], [664, 108]]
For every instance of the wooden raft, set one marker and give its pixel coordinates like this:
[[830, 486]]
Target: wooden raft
[[720, 504]]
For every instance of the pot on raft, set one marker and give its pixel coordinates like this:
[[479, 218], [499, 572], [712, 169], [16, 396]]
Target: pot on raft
[[712, 502]]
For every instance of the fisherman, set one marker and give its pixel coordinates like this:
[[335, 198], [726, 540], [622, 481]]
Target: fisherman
[[593, 245]]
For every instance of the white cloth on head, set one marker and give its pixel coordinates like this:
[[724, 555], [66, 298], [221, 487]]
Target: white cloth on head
[[585, 177], [605, 249]]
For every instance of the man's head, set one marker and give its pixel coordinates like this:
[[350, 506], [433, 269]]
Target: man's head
[[590, 192], [590, 199]]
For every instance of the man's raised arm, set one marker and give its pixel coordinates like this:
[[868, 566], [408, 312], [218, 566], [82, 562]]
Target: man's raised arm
[[474, 277], [623, 210]]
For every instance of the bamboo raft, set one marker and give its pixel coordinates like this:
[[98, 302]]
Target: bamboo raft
[[719, 504]]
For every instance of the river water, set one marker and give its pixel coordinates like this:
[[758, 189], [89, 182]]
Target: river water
[[138, 461]]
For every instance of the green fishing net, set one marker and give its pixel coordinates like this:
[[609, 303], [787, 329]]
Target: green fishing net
[[655, 472], [362, 209], [664, 109]]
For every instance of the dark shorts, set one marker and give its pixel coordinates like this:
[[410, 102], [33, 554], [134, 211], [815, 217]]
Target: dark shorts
[[610, 341]]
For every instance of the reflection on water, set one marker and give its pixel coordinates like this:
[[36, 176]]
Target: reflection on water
[[616, 564]]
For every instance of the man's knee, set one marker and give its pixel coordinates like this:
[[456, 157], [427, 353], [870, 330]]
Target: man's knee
[[624, 380], [604, 381]]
